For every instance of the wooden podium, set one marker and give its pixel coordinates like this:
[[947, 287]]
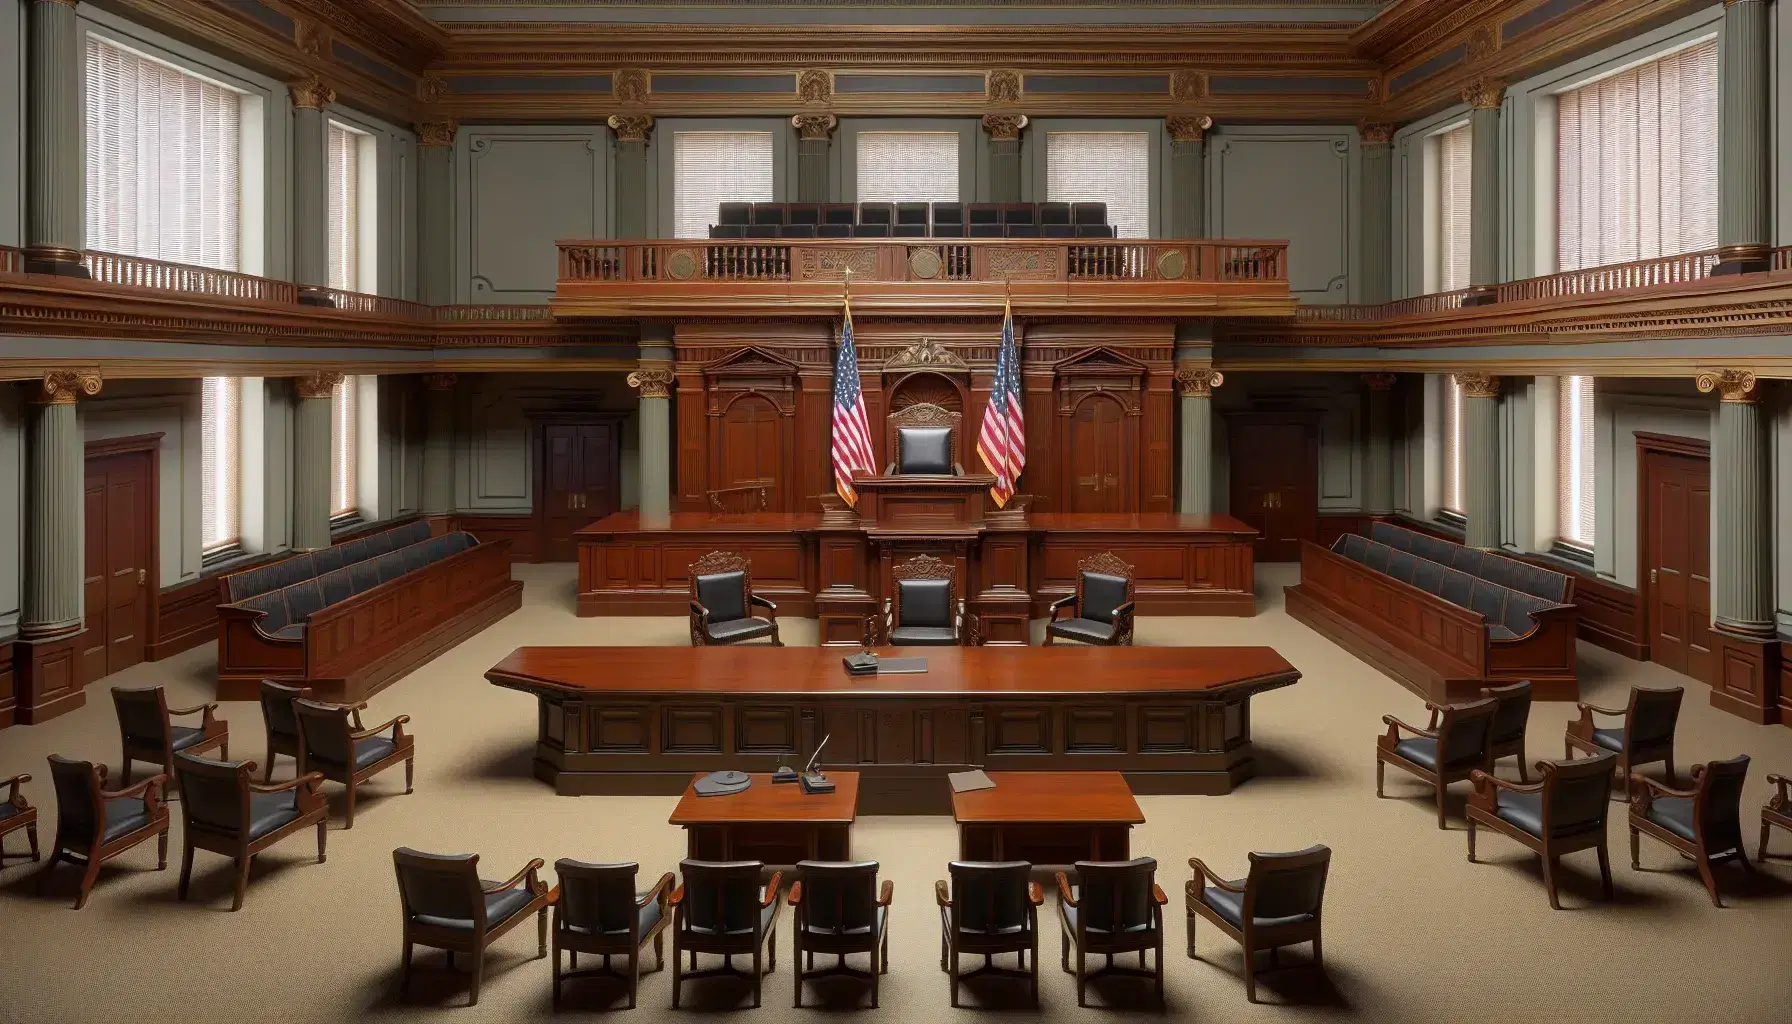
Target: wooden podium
[[922, 505]]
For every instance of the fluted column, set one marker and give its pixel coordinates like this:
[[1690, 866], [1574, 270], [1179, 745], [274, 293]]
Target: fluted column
[[311, 190], [54, 216], [1004, 155], [1377, 246], [1484, 189], [438, 443], [1378, 464], [813, 133], [1742, 507], [631, 174], [435, 212], [654, 381], [55, 471], [311, 422], [1745, 141], [1480, 457], [1195, 476], [1188, 174]]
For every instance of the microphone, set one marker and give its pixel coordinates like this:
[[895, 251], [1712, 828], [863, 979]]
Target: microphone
[[813, 780], [817, 754]]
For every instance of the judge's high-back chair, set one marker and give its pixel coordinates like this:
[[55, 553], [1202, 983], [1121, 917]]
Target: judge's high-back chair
[[923, 440]]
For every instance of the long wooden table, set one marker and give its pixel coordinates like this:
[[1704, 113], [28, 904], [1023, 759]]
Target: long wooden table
[[1047, 818], [774, 822], [644, 719]]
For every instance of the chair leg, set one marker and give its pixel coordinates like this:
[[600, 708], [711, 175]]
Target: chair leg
[[242, 881], [91, 875], [1381, 770], [1318, 953], [1250, 975], [267, 774], [351, 803], [1761, 855], [1158, 960], [634, 975], [186, 871], [541, 933], [949, 964], [1549, 881], [1440, 804], [758, 976], [31, 834], [1471, 842], [410, 764], [796, 969], [1710, 880], [659, 951], [162, 849], [1605, 871], [1081, 962], [478, 976], [1522, 776], [677, 961], [404, 973], [1033, 972], [323, 833], [556, 955], [877, 974], [1635, 849], [1191, 937]]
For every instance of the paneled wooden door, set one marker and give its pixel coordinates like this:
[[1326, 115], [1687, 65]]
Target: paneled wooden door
[[1099, 471], [1275, 483], [1676, 566], [119, 562], [581, 482], [751, 453]]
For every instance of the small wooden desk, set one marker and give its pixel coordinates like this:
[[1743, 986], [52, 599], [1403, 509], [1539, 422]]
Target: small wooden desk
[[1047, 818], [772, 822]]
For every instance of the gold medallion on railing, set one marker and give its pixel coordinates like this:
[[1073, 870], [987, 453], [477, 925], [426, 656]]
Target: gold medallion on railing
[[681, 265], [924, 263], [1171, 264]]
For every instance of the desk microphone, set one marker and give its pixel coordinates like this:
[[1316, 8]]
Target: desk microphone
[[813, 780]]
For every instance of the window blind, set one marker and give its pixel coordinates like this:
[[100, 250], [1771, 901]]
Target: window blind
[[711, 168], [344, 155], [1455, 151], [1452, 445], [162, 161], [1574, 460], [912, 167], [344, 432], [1636, 163], [221, 467], [1109, 167]]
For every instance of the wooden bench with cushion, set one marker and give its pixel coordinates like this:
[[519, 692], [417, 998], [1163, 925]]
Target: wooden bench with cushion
[[307, 565]]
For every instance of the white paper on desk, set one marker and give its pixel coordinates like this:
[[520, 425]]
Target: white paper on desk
[[970, 782]]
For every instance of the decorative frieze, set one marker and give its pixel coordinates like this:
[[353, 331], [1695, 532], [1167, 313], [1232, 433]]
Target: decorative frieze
[[630, 85], [814, 85], [1002, 87]]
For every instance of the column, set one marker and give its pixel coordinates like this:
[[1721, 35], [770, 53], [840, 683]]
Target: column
[[310, 191], [312, 419], [1484, 188], [54, 218], [813, 131], [55, 478], [1004, 155], [435, 212], [1377, 246], [654, 381], [1742, 504], [1745, 139], [1480, 457], [438, 443], [1188, 174], [1378, 467], [1195, 476], [631, 174]]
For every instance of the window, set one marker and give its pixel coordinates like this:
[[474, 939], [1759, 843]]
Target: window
[[1110, 167], [1452, 445], [344, 155], [221, 466], [1455, 172], [344, 436], [915, 167], [711, 168], [163, 161], [1574, 461], [1636, 163]]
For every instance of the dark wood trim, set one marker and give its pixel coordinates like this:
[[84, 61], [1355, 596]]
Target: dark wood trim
[[1673, 444], [152, 587], [1666, 444], [47, 667], [123, 445], [9, 691], [1749, 677]]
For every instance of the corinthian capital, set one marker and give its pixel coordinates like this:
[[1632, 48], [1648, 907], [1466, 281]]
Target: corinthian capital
[[63, 387], [1484, 94], [317, 385], [1187, 127], [1004, 127], [1478, 385], [1198, 381], [652, 383], [437, 134], [1737, 386], [631, 127], [311, 94], [814, 127]]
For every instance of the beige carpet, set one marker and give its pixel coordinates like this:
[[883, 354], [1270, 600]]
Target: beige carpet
[[1413, 931]]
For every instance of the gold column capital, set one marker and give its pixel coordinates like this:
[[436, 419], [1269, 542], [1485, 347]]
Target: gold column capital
[[1188, 127], [1380, 381], [1004, 127], [440, 381], [311, 93], [1198, 381], [631, 127], [317, 385], [437, 134], [652, 383], [1484, 93], [1376, 134], [1477, 385], [1737, 386], [814, 127], [63, 387]]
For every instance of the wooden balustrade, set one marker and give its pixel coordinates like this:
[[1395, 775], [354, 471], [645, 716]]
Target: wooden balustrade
[[138, 272], [1691, 266], [378, 305], [12, 261], [1437, 302]]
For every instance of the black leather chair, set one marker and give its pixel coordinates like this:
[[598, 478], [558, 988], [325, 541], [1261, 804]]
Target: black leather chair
[[1117, 907], [1703, 823], [923, 439], [599, 913], [1088, 213], [1054, 213], [989, 908], [17, 813], [335, 745], [94, 824], [1646, 735], [924, 610], [447, 906], [1510, 720], [877, 213], [146, 726], [839, 214], [1278, 904], [773, 214], [722, 600], [1102, 606], [226, 811], [1563, 812], [840, 909], [1450, 748], [733, 213], [281, 724], [1778, 811], [720, 908]]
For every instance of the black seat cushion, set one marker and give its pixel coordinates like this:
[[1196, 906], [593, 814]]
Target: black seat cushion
[[269, 812], [1610, 739], [124, 815], [924, 449], [765, 921], [499, 907], [1086, 630], [1070, 915], [181, 737], [645, 918], [1230, 906], [295, 631], [860, 929], [367, 751], [1674, 813], [924, 603], [1526, 811], [724, 594], [1102, 595], [922, 636], [739, 629]]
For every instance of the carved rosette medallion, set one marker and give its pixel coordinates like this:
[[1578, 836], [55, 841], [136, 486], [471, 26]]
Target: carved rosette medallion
[[1023, 264], [814, 85], [1477, 385], [1737, 386], [317, 385], [1187, 85], [432, 88], [1482, 44], [1004, 127], [1380, 381], [1198, 381], [311, 94], [440, 381], [652, 383], [834, 264], [924, 263], [1187, 127], [1484, 94], [630, 85], [1172, 264], [926, 354], [631, 127], [1002, 87], [814, 127], [311, 37], [437, 134], [681, 265], [1375, 134], [63, 387]]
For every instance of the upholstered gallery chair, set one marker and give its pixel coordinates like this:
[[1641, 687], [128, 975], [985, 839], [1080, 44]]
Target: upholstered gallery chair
[[1703, 823], [1101, 608], [1778, 812], [923, 609], [1562, 813], [334, 745], [94, 824], [721, 909], [226, 811], [17, 813], [924, 440], [1278, 904], [146, 725], [599, 913], [722, 600], [1509, 723], [447, 906], [1451, 747], [989, 908], [1117, 907], [278, 720], [839, 909], [1645, 735]]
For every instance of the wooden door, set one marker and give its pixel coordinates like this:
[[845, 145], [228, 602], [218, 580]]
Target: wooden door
[[752, 445], [1275, 484], [580, 483], [1098, 476], [119, 533], [1677, 560]]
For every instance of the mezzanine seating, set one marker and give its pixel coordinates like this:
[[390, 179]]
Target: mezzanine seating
[[911, 220]]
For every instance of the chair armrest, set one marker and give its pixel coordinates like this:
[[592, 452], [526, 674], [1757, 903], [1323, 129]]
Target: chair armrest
[[763, 602], [1203, 873], [1125, 609], [395, 724], [885, 893], [1584, 706], [1653, 789], [1035, 893], [1395, 725], [13, 784], [676, 898], [152, 790], [659, 890], [1062, 602], [528, 872], [772, 887], [194, 710], [1157, 893], [1772, 780], [1064, 889], [1485, 784], [315, 778], [941, 894]]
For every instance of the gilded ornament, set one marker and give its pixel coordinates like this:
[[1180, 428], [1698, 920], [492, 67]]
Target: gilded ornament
[[440, 381], [437, 134], [312, 38], [1484, 93], [629, 85], [1380, 381], [814, 86], [924, 263], [1477, 385], [1004, 127], [311, 94], [1738, 386], [1002, 87], [814, 127], [1198, 381], [1187, 127], [1172, 264], [926, 353], [652, 383], [1375, 134], [317, 385], [631, 127], [1187, 86], [681, 265], [1482, 44], [432, 88], [63, 387]]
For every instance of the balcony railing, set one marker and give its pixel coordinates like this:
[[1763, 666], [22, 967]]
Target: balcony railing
[[12, 261], [138, 272], [377, 305]]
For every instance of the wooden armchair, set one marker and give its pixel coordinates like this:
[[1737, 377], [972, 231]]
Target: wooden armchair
[[597, 911], [333, 744], [722, 599], [1563, 812], [720, 908], [1778, 812], [924, 608], [226, 811], [840, 909], [1703, 823], [923, 440], [1117, 908], [281, 724], [146, 724], [17, 813], [447, 906], [1450, 748], [1278, 904], [1510, 721], [1645, 736], [989, 908], [94, 824], [1102, 606]]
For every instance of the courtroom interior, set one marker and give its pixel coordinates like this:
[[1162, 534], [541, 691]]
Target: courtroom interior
[[797, 509]]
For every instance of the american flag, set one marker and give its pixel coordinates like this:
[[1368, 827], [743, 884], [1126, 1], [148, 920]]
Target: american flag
[[1002, 442], [852, 434]]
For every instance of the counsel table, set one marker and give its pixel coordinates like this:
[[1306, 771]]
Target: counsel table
[[773, 822], [1047, 818], [644, 719]]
